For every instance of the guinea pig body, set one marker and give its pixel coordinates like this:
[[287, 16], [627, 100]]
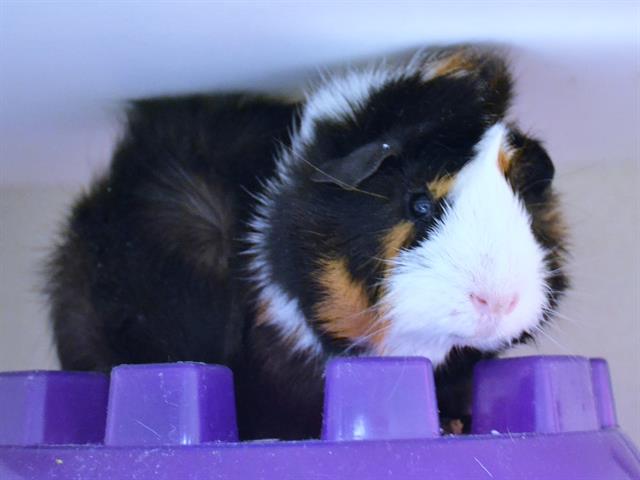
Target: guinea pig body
[[390, 212]]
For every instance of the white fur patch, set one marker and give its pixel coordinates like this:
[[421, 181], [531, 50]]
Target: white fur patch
[[483, 243], [287, 317], [282, 312], [338, 98]]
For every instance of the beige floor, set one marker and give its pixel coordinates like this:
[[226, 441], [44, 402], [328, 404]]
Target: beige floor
[[600, 317]]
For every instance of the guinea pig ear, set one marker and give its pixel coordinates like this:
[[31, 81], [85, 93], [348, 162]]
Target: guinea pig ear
[[532, 171], [487, 67], [353, 169]]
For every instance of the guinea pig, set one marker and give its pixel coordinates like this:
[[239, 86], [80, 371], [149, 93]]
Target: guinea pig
[[391, 211]]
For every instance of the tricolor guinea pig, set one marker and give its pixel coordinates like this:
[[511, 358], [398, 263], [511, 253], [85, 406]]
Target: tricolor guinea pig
[[391, 211]]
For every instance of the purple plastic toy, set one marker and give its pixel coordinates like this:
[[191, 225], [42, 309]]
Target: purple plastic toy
[[537, 417], [38, 408], [363, 397], [174, 404]]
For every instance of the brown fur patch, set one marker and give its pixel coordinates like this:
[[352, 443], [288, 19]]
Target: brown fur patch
[[397, 238], [549, 222], [262, 315], [505, 160], [344, 311], [458, 62], [440, 187]]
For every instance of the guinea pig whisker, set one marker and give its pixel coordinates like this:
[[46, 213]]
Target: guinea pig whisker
[[345, 185], [255, 196], [362, 339], [371, 309], [562, 316], [349, 239], [386, 261], [443, 145], [530, 185], [554, 272], [312, 232], [538, 204], [539, 329], [554, 326]]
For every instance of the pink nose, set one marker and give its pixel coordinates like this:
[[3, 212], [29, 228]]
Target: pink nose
[[494, 305]]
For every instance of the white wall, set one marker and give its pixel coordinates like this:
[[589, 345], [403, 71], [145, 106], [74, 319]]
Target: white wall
[[65, 67], [29, 219]]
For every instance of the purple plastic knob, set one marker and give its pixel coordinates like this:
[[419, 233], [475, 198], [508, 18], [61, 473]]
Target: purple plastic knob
[[178, 403], [52, 407], [549, 394], [379, 398], [603, 393]]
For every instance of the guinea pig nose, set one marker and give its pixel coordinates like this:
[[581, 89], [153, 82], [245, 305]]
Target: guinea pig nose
[[493, 305]]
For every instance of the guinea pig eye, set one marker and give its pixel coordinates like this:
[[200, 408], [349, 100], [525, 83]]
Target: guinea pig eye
[[421, 205]]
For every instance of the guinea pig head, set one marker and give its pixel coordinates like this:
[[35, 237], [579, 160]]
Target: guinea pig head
[[408, 218], [478, 276]]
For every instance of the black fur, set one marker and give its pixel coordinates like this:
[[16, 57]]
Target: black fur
[[145, 269], [150, 265]]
